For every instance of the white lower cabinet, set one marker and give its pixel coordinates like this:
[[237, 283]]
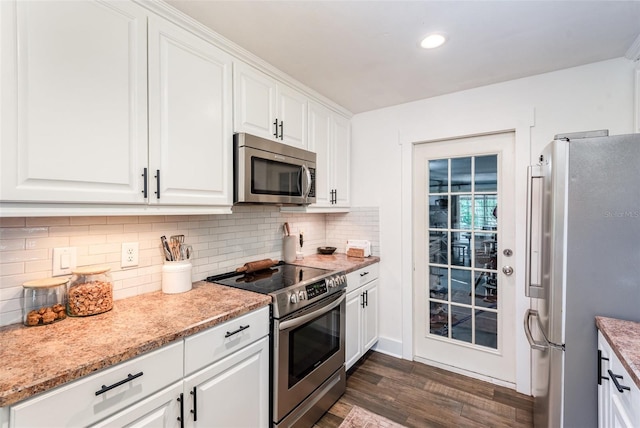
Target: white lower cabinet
[[362, 313], [233, 392], [157, 411], [618, 395], [229, 388]]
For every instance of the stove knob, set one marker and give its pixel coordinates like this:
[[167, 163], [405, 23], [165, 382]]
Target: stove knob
[[331, 283], [293, 298], [302, 295]]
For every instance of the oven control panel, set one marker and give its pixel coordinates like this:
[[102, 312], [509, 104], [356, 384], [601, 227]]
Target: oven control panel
[[298, 297], [315, 290]]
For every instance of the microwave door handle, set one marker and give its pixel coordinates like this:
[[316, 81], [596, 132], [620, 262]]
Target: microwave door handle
[[307, 174], [297, 321], [534, 257]]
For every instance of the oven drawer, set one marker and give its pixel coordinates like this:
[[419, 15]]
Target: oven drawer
[[211, 345], [362, 276]]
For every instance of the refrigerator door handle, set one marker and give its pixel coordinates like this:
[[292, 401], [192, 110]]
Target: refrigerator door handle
[[533, 275], [537, 345]]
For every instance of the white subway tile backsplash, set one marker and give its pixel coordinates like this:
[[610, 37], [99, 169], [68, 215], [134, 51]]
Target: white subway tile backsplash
[[13, 222], [12, 244], [23, 232], [220, 242]]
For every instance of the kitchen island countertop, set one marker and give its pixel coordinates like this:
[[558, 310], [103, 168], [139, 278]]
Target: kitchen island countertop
[[36, 359], [624, 338]]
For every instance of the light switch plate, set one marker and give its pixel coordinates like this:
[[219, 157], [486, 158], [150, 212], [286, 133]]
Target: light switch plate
[[64, 260]]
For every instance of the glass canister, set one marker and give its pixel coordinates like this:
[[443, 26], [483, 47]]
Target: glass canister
[[44, 301], [90, 291]]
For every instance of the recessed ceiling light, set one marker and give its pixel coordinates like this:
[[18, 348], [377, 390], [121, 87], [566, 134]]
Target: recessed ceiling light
[[433, 41]]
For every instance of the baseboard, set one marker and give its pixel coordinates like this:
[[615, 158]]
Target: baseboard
[[388, 346]]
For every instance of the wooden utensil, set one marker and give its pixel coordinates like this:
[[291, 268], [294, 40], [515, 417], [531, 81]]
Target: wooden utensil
[[257, 265]]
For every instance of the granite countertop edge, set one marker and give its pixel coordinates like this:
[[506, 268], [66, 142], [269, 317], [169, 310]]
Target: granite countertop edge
[[624, 338]]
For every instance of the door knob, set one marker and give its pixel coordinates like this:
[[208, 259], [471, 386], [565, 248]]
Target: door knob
[[507, 270]]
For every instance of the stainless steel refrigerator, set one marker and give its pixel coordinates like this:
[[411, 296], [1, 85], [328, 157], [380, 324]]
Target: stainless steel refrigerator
[[583, 260]]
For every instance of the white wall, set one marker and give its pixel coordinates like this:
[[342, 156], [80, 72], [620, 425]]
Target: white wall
[[596, 96]]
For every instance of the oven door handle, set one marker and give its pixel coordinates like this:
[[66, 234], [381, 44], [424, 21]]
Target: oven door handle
[[297, 321]]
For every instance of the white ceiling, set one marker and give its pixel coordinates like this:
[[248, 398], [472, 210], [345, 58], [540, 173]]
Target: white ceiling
[[364, 54]]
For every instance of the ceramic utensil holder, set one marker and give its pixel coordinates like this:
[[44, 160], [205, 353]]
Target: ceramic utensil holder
[[176, 276], [289, 249]]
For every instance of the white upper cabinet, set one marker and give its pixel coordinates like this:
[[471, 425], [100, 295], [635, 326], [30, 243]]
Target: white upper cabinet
[[329, 138], [190, 118], [123, 107], [267, 108], [74, 104]]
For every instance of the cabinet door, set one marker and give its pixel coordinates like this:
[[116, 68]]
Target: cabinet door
[[161, 410], [190, 124], [74, 101], [604, 387], [233, 392], [319, 142], [292, 111], [353, 322], [254, 96], [370, 316], [341, 160]]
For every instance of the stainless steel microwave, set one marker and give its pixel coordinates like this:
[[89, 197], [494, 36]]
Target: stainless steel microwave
[[268, 172]]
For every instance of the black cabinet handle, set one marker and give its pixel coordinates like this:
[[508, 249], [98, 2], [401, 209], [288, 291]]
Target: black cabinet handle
[[195, 404], [362, 299], [366, 298], [181, 417], [364, 273], [129, 378], [282, 130], [600, 358], [231, 333], [614, 378], [275, 128], [144, 188], [157, 177], [335, 196]]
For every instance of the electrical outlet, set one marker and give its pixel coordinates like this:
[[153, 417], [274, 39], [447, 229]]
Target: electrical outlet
[[129, 254]]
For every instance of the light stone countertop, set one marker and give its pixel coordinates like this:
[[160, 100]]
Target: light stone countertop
[[624, 338], [336, 261], [36, 359]]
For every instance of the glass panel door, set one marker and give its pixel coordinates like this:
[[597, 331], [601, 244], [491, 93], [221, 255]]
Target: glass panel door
[[464, 310], [463, 245]]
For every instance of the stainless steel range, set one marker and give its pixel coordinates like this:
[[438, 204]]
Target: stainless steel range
[[307, 338]]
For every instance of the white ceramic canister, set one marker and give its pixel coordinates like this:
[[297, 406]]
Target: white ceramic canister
[[176, 276], [289, 249]]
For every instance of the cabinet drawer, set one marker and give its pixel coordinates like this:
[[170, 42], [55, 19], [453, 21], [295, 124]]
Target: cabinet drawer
[[362, 276], [211, 345], [77, 404]]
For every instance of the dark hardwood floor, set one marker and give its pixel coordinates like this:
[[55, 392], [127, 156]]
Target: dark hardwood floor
[[417, 395]]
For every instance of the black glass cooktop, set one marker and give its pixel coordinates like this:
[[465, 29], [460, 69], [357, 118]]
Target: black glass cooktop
[[269, 280]]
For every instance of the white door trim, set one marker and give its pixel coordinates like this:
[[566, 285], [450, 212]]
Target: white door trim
[[520, 122]]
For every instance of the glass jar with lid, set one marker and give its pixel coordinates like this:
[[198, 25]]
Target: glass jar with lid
[[44, 301], [90, 291]]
